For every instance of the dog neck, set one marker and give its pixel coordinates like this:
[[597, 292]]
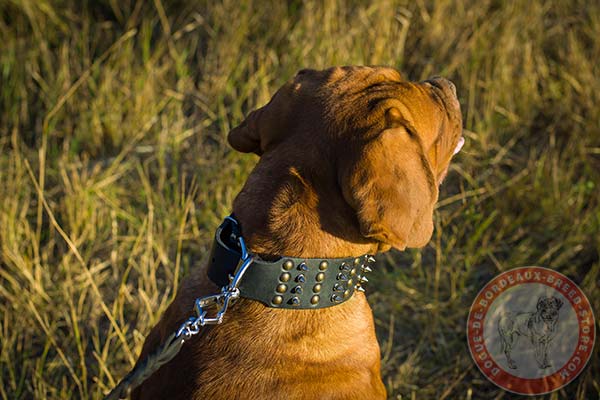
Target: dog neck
[[294, 214], [298, 214]]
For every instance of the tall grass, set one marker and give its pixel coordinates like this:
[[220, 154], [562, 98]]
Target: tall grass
[[114, 169]]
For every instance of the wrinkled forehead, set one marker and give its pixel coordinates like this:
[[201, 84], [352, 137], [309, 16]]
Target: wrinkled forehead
[[367, 75], [344, 79], [361, 94]]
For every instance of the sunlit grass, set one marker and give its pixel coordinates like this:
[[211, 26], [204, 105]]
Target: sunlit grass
[[114, 169]]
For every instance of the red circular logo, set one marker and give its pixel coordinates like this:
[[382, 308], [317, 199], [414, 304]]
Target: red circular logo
[[531, 330]]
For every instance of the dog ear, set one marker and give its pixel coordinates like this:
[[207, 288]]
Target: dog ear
[[389, 182], [263, 126], [246, 137], [558, 303]]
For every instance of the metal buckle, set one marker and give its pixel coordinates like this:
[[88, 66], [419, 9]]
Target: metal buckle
[[219, 301]]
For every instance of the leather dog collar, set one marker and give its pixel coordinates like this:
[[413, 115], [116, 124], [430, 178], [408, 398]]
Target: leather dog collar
[[289, 282]]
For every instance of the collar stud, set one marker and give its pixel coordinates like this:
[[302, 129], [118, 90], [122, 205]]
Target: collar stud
[[336, 298], [281, 288], [287, 265], [303, 267]]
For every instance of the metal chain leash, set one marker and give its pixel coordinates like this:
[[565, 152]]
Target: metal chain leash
[[189, 328]]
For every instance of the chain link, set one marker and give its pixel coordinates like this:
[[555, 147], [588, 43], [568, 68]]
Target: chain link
[[221, 301], [189, 328]]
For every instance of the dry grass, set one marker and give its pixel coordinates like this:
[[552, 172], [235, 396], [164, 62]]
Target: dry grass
[[114, 169]]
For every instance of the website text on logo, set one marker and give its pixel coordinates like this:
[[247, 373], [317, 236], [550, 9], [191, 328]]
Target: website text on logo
[[531, 330]]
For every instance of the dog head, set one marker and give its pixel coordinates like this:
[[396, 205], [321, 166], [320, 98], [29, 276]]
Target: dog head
[[388, 141], [548, 307]]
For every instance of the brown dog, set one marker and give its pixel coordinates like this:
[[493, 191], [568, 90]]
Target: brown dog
[[351, 160]]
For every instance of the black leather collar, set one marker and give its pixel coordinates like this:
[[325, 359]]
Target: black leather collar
[[289, 282]]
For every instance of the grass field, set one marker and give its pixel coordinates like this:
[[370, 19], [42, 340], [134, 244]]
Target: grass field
[[114, 168]]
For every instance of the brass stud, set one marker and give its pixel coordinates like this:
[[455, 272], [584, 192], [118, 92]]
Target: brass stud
[[298, 289], [353, 272], [315, 299], [350, 282], [277, 300], [289, 264], [320, 277], [347, 293], [317, 288], [323, 266], [356, 261], [300, 278], [303, 267], [284, 277], [295, 301], [281, 288]]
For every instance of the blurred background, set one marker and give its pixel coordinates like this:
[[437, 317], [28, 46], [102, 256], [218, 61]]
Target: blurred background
[[115, 171]]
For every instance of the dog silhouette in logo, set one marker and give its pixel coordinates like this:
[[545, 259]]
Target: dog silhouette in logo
[[540, 327]]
